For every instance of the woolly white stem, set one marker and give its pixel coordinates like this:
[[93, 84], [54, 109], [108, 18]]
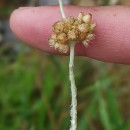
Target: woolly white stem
[[73, 111], [61, 9]]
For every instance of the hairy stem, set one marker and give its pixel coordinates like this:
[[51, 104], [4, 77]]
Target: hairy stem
[[61, 9], [73, 111]]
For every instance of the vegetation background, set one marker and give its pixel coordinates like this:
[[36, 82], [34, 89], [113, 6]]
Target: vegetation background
[[34, 86]]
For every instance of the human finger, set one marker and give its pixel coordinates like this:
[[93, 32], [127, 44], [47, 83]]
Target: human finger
[[112, 42]]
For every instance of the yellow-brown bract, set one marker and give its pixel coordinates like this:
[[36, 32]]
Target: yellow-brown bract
[[70, 29]]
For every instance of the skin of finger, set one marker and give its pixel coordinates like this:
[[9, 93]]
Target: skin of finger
[[112, 41]]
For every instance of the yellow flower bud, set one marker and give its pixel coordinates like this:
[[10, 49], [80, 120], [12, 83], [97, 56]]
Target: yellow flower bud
[[62, 38], [72, 34], [80, 16], [87, 18], [83, 28], [58, 27]]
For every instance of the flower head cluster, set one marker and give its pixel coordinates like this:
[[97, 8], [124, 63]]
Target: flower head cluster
[[70, 29]]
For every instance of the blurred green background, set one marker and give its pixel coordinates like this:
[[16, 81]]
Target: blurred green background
[[35, 89]]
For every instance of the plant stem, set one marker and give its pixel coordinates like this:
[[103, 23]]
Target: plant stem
[[61, 8], [73, 111]]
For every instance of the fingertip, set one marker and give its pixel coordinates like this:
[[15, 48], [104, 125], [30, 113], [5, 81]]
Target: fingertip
[[12, 20], [24, 24], [18, 22]]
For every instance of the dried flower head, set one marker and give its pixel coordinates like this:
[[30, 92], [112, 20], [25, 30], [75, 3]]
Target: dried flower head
[[79, 29]]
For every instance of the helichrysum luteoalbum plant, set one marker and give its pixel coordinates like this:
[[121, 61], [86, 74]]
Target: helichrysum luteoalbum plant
[[66, 33], [71, 29]]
